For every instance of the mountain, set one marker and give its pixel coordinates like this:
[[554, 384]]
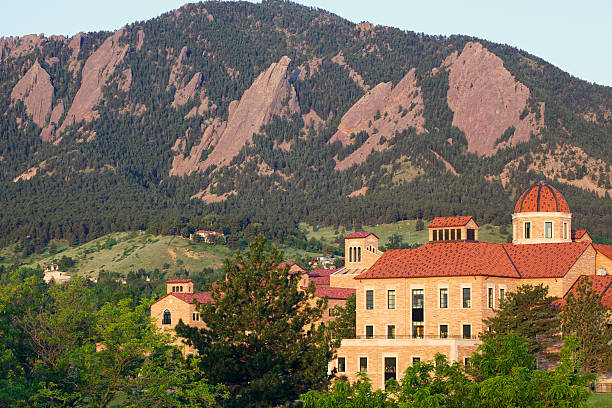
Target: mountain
[[253, 117]]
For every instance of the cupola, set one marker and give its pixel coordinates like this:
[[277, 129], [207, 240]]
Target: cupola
[[361, 250], [460, 228], [541, 215]]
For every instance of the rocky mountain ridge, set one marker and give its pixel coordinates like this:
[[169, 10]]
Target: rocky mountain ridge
[[222, 99]]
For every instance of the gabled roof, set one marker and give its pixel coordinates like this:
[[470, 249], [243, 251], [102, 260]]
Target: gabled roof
[[577, 234], [201, 297], [179, 281], [477, 259], [600, 284], [320, 280], [442, 222], [322, 272], [545, 260], [605, 250], [334, 293], [360, 235]]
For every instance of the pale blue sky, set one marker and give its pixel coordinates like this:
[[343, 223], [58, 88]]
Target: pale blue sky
[[573, 35]]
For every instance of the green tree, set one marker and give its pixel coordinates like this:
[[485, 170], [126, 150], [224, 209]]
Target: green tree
[[420, 225], [527, 312], [259, 338], [396, 241], [585, 316], [344, 324]]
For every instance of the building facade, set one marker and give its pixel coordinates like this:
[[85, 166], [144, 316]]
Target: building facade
[[415, 303]]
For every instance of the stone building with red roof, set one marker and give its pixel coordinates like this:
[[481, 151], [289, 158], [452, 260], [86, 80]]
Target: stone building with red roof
[[179, 303], [414, 303]]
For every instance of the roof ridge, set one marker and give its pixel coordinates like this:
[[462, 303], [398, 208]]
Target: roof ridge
[[511, 261]]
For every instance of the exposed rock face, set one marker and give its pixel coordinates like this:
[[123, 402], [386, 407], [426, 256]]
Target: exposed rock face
[[380, 112], [18, 46], [177, 67], [48, 132], [36, 92], [258, 105], [486, 100], [98, 69], [182, 96], [339, 59]]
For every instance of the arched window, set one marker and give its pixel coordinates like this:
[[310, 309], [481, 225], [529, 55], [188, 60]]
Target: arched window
[[350, 254], [359, 254], [167, 319]]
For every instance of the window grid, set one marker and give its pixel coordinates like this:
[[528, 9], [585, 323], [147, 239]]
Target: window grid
[[391, 299], [443, 298], [369, 299], [467, 298]]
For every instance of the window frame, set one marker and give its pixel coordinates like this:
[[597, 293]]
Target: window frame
[[527, 230], [361, 359], [463, 303], [195, 316], [491, 297], [546, 230], [367, 291], [167, 321], [394, 299], [463, 326], [440, 330], [440, 289], [389, 326], [343, 358], [365, 331]]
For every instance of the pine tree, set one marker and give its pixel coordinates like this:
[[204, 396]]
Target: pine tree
[[259, 338], [585, 316], [528, 312]]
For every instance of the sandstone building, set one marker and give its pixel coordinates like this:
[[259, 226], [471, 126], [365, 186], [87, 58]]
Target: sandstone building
[[414, 303]]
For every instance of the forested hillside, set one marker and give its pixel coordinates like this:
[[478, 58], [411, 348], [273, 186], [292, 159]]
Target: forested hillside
[[254, 117]]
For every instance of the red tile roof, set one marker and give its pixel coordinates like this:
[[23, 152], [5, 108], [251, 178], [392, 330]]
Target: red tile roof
[[322, 272], [202, 297], [442, 222], [545, 260], [577, 234], [334, 293], [605, 250], [179, 281], [320, 280], [443, 259], [600, 284], [290, 264], [360, 235], [541, 197], [477, 259]]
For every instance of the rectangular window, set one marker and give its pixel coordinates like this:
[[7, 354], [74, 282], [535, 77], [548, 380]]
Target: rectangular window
[[369, 299], [466, 361], [527, 230], [548, 233], [418, 330], [502, 294], [418, 296], [446, 235], [471, 235], [390, 368], [444, 298], [341, 364], [452, 234], [391, 299], [467, 297], [391, 331], [444, 331], [490, 298], [330, 311], [369, 332], [196, 317], [363, 364], [434, 235], [416, 360], [565, 230], [458, 234], [467, 331]]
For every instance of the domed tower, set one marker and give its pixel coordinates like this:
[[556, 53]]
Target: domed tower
[[541, 215]]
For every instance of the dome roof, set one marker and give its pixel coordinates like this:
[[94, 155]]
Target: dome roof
[[541, 197]]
